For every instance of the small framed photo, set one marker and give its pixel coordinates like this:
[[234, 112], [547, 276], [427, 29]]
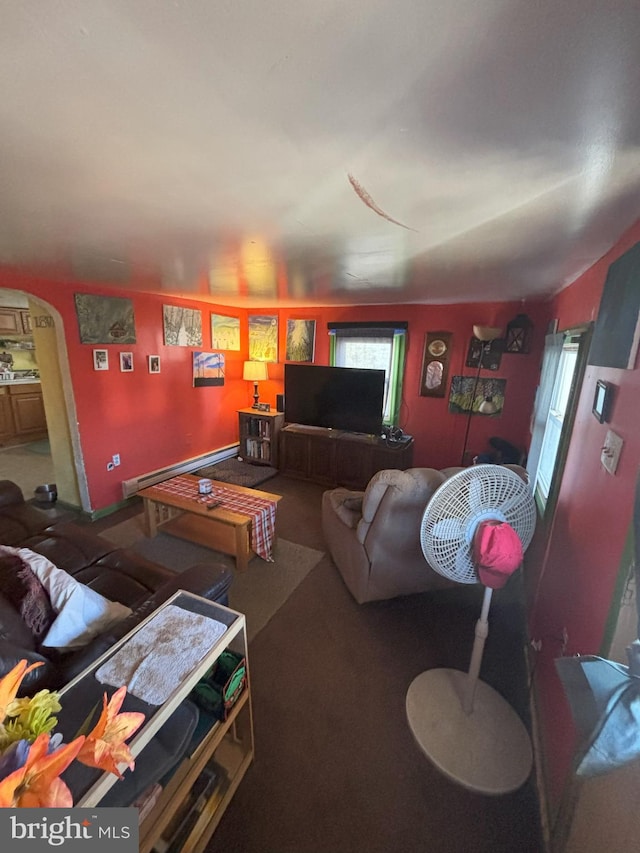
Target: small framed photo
[[101, 359], [602, 401], [154, 363], [126, 362]]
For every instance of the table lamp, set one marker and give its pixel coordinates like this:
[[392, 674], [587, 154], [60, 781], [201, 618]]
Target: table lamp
[[254, 371]]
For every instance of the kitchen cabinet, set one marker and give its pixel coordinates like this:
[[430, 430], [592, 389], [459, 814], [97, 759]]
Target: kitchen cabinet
[[7, 428], [21, 412], [15, 321]]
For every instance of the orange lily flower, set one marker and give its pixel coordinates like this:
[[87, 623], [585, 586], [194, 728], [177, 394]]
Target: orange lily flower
[[10, 683], [104, 746], [36, 784]]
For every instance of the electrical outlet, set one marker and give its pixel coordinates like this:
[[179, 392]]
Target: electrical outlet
[[110, 466], [116, 459]]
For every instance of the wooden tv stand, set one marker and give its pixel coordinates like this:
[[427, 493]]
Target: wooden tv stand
[[337, 458]]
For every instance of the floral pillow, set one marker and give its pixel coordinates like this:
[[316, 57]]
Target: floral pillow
[[23, 590]]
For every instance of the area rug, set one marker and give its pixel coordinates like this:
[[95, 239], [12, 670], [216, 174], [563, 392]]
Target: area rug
[[237, 472], [258, 593]]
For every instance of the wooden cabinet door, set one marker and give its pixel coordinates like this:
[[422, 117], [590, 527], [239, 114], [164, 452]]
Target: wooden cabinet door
[[354, 468], [25, 322], [322, 460], [10, 321], [294, 454], [28, 413], [6, 416]]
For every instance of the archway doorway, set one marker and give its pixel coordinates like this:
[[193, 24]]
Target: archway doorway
[[58, 399]]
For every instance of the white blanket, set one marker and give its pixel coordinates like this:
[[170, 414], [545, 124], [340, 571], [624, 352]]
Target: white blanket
[[154, 662]]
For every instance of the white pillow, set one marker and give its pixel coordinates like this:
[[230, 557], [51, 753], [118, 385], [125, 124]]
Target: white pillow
[[82, 614]]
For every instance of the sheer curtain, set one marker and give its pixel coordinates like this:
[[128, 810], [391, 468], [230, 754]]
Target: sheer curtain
[[550, 361]]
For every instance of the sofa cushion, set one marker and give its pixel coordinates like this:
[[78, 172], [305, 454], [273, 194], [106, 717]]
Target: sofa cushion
[[81, 613], [68, 546]]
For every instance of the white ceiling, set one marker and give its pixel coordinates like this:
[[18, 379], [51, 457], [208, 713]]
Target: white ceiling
[[367, 151]]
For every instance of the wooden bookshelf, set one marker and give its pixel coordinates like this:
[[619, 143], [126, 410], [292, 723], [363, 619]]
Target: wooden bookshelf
[[259, 436]]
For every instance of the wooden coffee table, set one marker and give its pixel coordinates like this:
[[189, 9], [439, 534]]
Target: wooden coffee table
[[218, 528]]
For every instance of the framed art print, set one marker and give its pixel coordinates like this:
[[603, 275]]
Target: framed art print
[[301, 336], [100, 359], [154, 363], [126, 362], [225, 332]]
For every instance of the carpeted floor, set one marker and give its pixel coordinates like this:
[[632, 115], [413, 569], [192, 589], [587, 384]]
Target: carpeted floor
[[238, 472], [336, 768], [258, 593]]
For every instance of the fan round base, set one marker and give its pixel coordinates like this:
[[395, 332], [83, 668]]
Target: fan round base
[[488, 750]]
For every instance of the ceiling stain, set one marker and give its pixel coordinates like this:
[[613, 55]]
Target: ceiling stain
[[366, 198]]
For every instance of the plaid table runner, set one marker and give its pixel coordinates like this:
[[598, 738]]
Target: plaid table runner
[[261, 511]]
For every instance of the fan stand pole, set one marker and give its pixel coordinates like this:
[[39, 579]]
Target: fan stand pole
[[473, 397], [481, 634]]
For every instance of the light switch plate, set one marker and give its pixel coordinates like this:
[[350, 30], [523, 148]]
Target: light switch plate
[[611, 451]]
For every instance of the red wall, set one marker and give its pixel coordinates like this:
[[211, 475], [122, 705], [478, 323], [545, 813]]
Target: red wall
[[439, 436], [155, 420], [585, 545]]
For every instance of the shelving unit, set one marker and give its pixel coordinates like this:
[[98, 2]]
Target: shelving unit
[[198, 789], [227, 749], [259, 436]]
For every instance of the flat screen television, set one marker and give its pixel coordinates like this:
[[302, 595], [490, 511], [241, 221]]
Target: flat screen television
[[345, 398]]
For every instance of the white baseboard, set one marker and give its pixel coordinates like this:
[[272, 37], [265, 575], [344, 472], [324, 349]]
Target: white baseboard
[[132, 486]]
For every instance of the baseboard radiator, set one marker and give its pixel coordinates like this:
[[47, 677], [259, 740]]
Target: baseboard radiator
[[133, 486]]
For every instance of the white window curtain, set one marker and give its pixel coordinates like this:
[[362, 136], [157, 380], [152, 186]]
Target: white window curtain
[[550, 361]]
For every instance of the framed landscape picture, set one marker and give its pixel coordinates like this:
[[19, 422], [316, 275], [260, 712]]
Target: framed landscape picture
[[208, 369], [301, 335], [182, 326], [225, 332], [263, 337]]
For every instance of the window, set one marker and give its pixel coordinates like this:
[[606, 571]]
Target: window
[[377, 346], [555, 418], [563, 367]]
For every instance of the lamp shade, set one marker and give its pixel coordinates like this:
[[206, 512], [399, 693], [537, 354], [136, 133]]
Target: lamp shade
[[255, 371], [487, 333]]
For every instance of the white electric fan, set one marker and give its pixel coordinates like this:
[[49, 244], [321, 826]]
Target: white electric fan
[[463, 725]]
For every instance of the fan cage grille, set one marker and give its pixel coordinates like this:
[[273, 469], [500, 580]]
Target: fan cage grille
[[452, 515]]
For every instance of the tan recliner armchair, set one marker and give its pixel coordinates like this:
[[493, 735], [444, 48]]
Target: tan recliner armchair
[[374, 536]]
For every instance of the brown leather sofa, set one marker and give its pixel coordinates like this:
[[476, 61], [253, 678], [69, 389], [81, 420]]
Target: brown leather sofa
[[374, 536], [116, 573]]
